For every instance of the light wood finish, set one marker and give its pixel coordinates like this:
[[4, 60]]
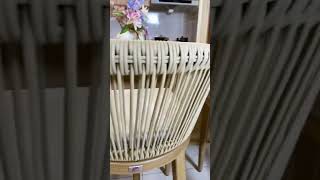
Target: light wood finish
[[136, 177], [204, 135], [179, 167], [203, 21], [198, 132], [124, 2], [203, 146], [167, 169], [157, 90], [200, 136], [121, 168]]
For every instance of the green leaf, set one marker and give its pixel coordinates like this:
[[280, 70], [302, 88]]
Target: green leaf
[[130, 26], [118, 14], [124, 29]]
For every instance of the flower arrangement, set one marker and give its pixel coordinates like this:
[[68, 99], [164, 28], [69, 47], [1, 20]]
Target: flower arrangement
[[132, 20]]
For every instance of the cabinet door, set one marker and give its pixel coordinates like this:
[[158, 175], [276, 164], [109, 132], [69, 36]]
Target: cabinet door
[[124, 2]]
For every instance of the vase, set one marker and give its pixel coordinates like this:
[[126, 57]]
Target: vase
[[141, 36], [131, 36]]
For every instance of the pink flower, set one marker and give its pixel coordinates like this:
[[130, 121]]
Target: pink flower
[[134, 17], [144, 10], [131, 17]]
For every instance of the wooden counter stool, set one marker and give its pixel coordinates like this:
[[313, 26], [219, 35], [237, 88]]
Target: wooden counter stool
[[157, 90]]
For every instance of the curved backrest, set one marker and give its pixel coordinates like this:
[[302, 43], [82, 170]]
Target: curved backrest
[[157, 90]]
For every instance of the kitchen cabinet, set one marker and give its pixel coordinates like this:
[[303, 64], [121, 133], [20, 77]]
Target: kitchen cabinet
[[124, 2]]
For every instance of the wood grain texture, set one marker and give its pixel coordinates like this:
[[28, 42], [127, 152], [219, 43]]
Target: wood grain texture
[[136, 177], [121, 168], [203, 21], [179, 167]]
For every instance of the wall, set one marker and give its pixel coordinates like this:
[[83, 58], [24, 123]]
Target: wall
[[183, 22]]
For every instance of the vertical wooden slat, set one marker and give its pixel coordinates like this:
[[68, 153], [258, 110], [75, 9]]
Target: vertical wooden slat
[[221, 72], [23, 124], [97, 119], [203, 21], [250, 129], [106, 103], [55, 135], [92, 106], [198, 97], [52, 30], [9, 144], [2, 177], [37, 20], [256, 131], [234, 90], [3, 29], [101, 143], [96, 20], [282, 59], [82, 20], [41, 72], [272, 47], [132, 112], [75, 129], [289, 104], [32, 77], [36, 143], [103, 170], [159, 103], [234, 138], [276, 93], [230, 8], [290, 140], [12, 23]]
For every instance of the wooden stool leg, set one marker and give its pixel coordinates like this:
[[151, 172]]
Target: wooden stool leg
[[203, 138], [179, 167], [202, 153], [136, 177], [166, 169]]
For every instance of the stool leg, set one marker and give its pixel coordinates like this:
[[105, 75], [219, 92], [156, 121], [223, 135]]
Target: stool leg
[[202, 153], [203, 139], [136, 177], [179, 167], [166, 169]]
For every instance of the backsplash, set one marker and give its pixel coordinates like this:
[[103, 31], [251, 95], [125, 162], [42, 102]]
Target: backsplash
[[182, 22]]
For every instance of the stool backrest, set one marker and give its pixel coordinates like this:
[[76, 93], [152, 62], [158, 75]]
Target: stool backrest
[[157, 90]]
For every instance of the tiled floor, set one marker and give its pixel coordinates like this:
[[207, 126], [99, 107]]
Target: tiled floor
[[192, 173]]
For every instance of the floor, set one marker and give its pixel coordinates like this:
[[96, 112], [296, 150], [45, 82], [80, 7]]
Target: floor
[[192, 173]]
